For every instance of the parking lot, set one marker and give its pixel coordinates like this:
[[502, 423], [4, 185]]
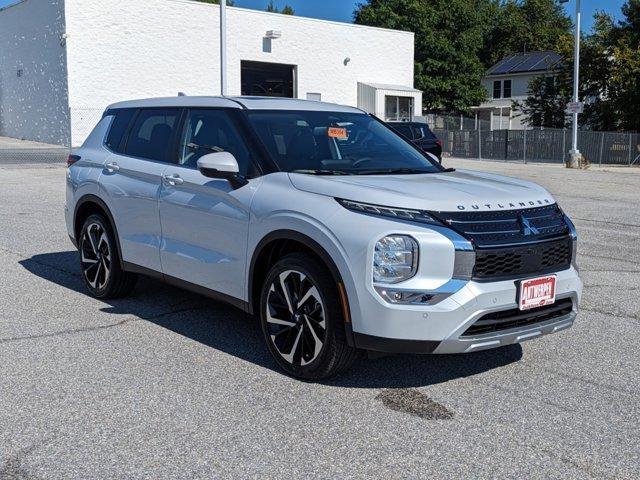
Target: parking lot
[[167, 384]]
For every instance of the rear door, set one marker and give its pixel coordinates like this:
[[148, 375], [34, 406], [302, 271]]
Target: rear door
[[132, 178], [205, 221]]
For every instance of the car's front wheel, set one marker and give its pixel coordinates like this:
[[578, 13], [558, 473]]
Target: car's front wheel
[[100, 262], [302, 319]]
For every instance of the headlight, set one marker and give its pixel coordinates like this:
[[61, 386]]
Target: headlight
[[395, 259], [390, 212]]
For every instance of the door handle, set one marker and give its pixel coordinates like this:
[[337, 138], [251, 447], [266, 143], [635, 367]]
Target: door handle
[[174, 179], [112, 167]]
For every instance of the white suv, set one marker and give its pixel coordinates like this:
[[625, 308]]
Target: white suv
[[337, 232]]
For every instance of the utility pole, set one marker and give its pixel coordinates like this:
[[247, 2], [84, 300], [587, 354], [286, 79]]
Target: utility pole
[[223, 47], [574, 153]]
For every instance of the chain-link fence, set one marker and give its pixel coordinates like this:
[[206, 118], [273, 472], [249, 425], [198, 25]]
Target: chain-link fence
[[471, 138], [461, 137]]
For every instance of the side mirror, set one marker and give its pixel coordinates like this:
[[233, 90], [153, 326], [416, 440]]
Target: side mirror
[[221, 165]]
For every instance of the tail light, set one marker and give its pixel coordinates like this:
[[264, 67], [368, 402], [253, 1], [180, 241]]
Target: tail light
[[439, 142], [71, 159]]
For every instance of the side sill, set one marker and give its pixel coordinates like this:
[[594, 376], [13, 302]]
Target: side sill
[[393, 345], [192, 287]]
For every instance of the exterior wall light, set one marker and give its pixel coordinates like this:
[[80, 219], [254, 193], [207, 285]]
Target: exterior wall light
[[273, 34]]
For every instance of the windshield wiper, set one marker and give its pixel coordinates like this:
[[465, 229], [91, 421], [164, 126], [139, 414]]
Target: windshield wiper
[[321, 171], [392, 171]]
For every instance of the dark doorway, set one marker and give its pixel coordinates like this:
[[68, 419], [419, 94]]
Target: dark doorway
[[267, 79]]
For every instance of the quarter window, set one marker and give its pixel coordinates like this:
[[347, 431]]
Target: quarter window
[[208, 131], [118, 129], [151, 134]]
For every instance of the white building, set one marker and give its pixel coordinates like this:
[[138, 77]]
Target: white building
[[508, 81], [63, 61]]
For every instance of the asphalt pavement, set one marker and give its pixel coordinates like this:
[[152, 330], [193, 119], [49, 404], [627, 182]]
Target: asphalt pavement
[[167, 384]]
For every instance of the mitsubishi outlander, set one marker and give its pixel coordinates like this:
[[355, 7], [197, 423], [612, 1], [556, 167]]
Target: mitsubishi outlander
[[339, 234]]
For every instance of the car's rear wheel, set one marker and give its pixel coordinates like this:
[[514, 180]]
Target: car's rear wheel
[[100, 262], [302, 319]]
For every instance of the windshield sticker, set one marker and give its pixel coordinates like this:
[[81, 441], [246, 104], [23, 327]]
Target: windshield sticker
[[340, 133]]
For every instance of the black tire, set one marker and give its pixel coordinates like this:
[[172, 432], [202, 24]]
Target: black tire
[[100, 261], [299, 317]]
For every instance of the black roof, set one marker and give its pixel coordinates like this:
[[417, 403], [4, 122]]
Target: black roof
[[526, 62]]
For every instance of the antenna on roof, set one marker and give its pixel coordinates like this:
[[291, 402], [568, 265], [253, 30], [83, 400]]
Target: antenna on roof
[[182, 94]]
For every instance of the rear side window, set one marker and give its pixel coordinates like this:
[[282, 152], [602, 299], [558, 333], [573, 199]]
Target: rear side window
[[118, 129], [404, 130], [422, 131], [152, 134]]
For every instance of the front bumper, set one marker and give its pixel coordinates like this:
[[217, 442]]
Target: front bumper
[[441, 328]]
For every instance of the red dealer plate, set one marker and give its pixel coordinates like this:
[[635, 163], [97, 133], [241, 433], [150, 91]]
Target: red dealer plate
[[537, 292]]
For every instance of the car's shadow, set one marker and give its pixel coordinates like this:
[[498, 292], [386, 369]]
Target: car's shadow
[[228, 329]]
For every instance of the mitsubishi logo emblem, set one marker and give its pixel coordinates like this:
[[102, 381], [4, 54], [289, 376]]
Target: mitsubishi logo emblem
[[526, 227]]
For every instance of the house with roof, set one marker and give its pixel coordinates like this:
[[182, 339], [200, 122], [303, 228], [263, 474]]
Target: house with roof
[[508, 81]]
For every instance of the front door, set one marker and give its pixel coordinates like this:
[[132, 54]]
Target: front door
[[204, 220]]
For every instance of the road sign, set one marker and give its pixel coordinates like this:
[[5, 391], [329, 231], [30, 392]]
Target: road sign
[[575, 107]]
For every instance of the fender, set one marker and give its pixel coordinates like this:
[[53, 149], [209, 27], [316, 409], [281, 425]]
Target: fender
[[318, 250], [90, 198]]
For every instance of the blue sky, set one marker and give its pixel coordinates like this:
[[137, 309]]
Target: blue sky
[[342, 10]]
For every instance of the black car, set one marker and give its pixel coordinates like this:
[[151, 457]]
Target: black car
[[421, 135]]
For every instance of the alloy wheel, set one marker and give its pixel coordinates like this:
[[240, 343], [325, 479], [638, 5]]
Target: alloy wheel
[[95, 256], [295, 317]]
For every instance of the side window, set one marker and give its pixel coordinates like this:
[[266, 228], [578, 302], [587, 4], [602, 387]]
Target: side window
[[418, 132], [151, 134], [118, 128], [208, 131]]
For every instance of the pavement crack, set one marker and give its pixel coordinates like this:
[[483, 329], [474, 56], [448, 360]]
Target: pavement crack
[[604, 257], [612, 314], [73, 331], [605, 222], [70, 331]]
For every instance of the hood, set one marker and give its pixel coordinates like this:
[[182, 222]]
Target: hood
[[462, 190]]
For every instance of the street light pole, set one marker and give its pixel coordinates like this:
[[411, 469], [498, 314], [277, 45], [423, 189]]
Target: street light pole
[[223, 47], [574, 153]]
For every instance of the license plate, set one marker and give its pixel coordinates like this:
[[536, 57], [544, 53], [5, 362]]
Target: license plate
[[537, 292]]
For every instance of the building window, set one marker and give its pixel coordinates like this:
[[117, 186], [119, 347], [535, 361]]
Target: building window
[[506, 89], [497, 89], [398, 109]]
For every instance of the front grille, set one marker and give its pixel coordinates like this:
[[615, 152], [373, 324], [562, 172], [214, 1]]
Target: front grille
[[507, 319], [507, 227], [537, 259]]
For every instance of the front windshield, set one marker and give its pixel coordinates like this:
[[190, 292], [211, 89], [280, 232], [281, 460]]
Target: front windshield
[[336, 143]]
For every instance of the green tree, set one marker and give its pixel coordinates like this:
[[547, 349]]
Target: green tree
[[286, 10], [546, 103], [521, 25], [609, 76], [448, 39], [624, 76]]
